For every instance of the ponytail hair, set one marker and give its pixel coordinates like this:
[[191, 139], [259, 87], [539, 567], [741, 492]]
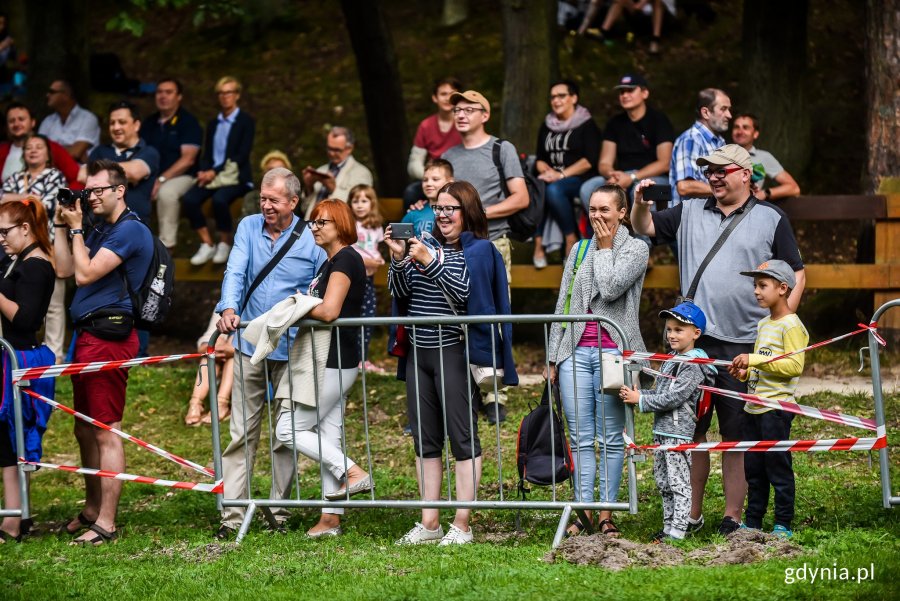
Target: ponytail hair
[[31, 211]]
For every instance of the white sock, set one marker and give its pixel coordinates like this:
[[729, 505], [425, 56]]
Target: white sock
[[695, 522]]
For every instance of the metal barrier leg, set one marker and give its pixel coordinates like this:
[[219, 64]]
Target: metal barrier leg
[[888, 500], [245, 525], [563, 524], [270, 518]]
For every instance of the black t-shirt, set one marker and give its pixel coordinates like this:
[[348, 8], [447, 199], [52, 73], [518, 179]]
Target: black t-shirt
[[30, 284], [168, 137], [562, 149], [636, 141], [350, 263]]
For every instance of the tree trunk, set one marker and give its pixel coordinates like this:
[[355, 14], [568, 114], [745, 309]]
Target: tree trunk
[[774, 79], [57, 49], [530, 63], [882, 79], [455, 12], [382, 93]]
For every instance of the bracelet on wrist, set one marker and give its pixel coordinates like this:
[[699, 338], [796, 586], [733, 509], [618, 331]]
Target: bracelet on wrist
[[60, 225]]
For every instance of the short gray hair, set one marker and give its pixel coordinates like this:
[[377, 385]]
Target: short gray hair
[[287, 177], [339, 130]]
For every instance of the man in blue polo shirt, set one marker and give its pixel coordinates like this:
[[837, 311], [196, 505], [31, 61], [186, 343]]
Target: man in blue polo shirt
[[140, 161], [118, 247], [177, 136]]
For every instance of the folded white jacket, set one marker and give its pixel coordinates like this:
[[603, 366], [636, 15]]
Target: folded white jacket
[[266, 330]]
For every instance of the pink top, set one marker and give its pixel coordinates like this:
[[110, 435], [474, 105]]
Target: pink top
[[368, 239], [590, 338]]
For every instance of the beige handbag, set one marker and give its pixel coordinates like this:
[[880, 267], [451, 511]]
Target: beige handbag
[[613, 371], [228, 176]]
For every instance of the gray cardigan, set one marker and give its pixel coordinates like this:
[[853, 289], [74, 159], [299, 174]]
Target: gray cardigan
[[609, 281]]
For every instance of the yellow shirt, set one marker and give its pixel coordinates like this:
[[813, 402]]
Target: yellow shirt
[[776, 380]]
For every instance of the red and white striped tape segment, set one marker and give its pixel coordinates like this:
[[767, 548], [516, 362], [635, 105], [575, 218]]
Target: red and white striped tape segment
[[824, 414], [152, 448], [68, 369], [217, 488], [792, 446], [873, 327]]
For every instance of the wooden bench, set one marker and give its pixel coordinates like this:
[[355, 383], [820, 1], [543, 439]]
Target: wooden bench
[[883, 276]]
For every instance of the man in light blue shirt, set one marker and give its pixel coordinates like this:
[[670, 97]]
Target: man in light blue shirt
[[258, 239]]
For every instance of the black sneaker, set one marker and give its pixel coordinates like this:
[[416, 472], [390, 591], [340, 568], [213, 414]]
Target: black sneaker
[[693, 528], [495, 412], [728, 526], [224, 532], [658, 537]]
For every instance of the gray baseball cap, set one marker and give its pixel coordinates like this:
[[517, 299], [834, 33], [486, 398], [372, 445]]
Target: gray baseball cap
[[774, 268]]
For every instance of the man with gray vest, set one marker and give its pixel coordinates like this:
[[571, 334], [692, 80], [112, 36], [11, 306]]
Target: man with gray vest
[[761, 232]]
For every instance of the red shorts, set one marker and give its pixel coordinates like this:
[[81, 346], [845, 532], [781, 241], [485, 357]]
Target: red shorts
[[101, 394]]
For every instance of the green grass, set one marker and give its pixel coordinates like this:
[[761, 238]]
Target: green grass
[[166, 549]]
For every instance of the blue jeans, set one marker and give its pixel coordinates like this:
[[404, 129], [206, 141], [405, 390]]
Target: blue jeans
[[600, 417], [558, 199]]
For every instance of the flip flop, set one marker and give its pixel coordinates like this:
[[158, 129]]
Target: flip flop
[[83, 522], [103, 537]]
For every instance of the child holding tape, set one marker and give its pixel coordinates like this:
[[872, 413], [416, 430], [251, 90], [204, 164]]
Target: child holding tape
[[674, 405], [779, 333]]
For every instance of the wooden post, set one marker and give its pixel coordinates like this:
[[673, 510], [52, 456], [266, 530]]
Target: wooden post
[[887, 252]]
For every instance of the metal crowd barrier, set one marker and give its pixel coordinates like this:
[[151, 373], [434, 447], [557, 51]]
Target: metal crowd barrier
[[502, 499], [24, 512], [888, 499]]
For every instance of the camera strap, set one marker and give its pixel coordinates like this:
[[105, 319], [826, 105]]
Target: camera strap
[[742, 212], [294, 236]]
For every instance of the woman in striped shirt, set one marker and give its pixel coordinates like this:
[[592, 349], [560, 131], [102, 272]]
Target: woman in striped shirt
[[461, 273]]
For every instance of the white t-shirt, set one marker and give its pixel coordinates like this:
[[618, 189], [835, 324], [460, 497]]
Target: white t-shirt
[[81, 126], [13, 162]]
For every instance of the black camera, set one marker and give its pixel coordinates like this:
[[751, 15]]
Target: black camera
[[68, 198]]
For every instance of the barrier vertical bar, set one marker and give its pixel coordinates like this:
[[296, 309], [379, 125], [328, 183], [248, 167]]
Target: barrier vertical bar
[[214, 407], [887, 499], [24, 511]]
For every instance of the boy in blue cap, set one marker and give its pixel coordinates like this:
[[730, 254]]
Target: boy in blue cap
[[780, 333], [674, 403]]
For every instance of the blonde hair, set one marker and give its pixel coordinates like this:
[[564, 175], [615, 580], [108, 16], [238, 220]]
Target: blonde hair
[[228, 79], [275, 155], [374, 218]]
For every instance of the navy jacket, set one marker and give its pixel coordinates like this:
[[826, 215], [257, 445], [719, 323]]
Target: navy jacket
[[488, 295], [240, 143]]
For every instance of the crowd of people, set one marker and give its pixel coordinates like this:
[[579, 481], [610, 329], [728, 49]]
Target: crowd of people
[[311, 242]]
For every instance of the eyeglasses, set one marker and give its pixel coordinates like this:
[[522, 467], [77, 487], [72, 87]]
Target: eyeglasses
[[334, 150], [5, 230], [51, 92], [721, 172], [467, 110], [559, 96], [318, 224], [447, 210], [99, 191], [226, 92]]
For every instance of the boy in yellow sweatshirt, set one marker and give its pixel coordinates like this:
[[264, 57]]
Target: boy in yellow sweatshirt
[[779, 333]]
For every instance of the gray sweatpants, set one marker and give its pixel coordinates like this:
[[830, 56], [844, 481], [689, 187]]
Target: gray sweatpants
[[672, 471]]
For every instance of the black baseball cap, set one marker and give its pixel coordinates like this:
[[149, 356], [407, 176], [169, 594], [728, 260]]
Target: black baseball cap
[[632, 80]]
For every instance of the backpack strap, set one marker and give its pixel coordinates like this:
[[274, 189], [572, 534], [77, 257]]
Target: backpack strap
[[495, 155], [294, 236], [580, 254]]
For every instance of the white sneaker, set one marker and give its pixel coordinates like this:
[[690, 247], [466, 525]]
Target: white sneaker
[[222, 252], [203, 254], [455, 536], [420, 535]]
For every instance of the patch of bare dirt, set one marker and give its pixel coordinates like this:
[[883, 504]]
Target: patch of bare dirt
[[741, 547]]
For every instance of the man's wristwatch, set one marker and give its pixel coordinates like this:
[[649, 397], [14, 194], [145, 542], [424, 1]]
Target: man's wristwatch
[[633, 177], [162, 179], [72, 233]]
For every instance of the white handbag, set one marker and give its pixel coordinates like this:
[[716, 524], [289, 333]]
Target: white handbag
[[613, 371]]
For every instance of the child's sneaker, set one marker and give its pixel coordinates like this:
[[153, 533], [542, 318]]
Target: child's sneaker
[[694, 527], [658, 537], [420, 535], [782, 531]]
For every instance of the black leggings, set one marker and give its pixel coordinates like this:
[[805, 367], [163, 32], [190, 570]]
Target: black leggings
[[428, 412]]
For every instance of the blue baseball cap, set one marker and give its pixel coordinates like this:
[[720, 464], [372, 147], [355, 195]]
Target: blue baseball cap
[[688, 313]]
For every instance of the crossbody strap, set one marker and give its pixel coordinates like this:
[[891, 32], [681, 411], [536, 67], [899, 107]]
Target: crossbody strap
[[717, 246], [294, 236], [580, 254]]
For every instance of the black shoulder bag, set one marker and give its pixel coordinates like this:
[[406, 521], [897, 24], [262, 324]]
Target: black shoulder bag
[[689, 297], [294, 236]]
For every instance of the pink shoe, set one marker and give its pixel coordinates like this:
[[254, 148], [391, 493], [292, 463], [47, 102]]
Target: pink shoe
[[372, 368]]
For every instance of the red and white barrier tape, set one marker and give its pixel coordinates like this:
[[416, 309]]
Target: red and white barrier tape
[[792, 446], [68, 369], [152, 448], [216, 488], [872, 327], [815, 413]]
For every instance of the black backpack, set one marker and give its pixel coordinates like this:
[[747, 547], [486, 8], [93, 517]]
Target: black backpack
[[153, 300], [542, 459], [524, 223]]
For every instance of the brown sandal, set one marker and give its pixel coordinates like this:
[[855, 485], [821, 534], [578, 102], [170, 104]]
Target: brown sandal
[[610, 529], [224, 411], [194, 413]]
